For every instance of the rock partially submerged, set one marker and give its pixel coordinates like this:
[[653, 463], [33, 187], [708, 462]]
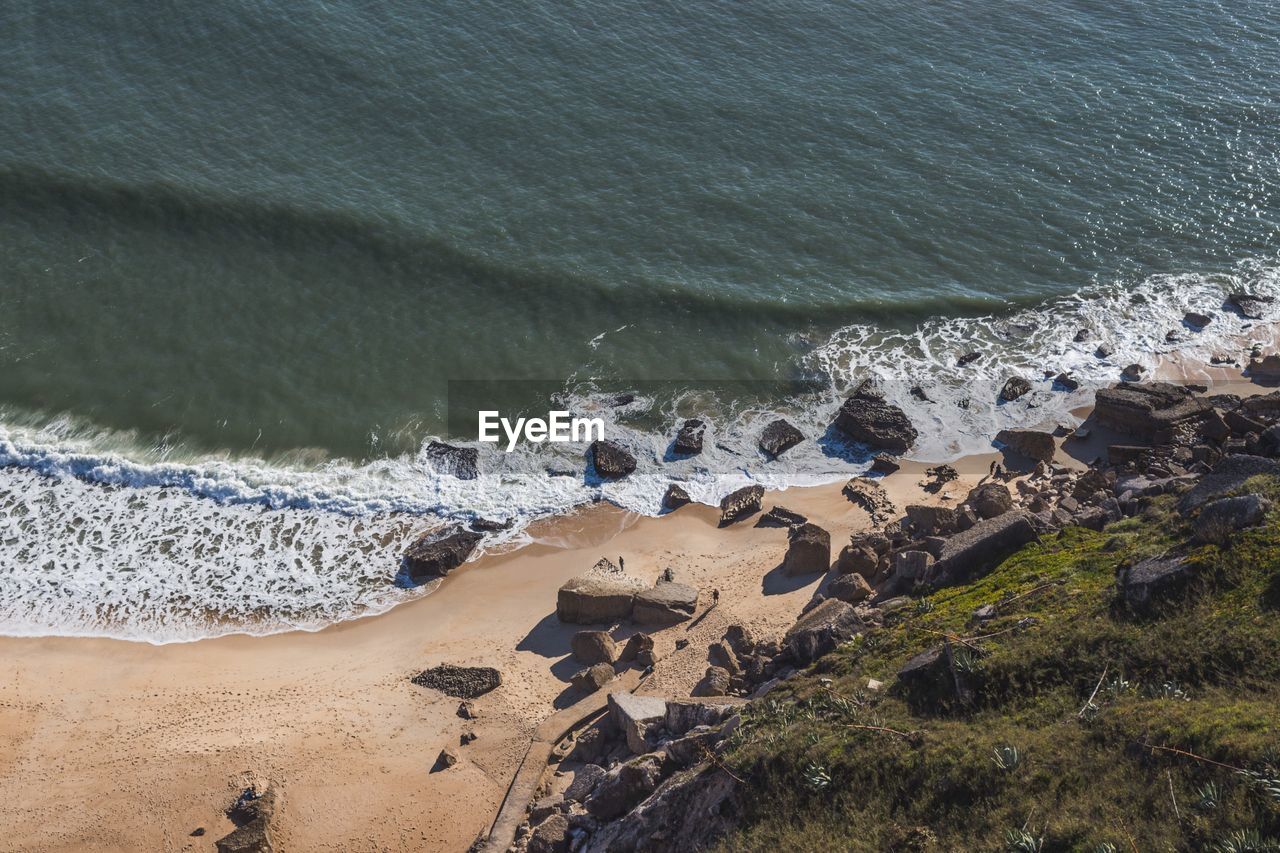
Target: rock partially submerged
[[740, 504], [865, 417], [460, 682], [434, 556], [603, 595], [1014, 388], [1249, 305], [675, 497], [688, 440], [779, 437], [460, 462], [611, 460]]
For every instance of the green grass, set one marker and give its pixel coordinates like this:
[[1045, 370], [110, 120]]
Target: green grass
[[1019, 765]]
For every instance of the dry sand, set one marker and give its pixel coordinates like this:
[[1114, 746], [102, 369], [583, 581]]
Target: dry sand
[[111, 745]]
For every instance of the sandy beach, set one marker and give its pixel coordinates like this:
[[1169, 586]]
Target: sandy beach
[[112, 745]]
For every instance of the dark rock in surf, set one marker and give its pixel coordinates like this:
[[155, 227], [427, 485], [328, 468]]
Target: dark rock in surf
[[434, 556], [460, 462], [779, 437], [968, 358], [1196, 320], [1014, 388], [865, 417], [675, 497], [689, 439], [611, 460], [1248, 305]]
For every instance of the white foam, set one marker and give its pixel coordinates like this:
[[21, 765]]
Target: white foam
[[101, 537]]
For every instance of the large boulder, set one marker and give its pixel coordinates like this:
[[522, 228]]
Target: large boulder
[[551, 835], [684, 715], [592, 678], [1219, 519], [1031, 443], [667, 603], [973, 552], [808, 550], [866, 417], [592, 647], [1014, 388], [692, 810], [460, 682], [858, 560], [851, 588], [1150, 582], [779, 437], [715, 682], [1249, 305], [822, 629], [928, 519], [611, 460], [603, 595], [1148, 408], [990, 499], [1265, 369], [675, 497], [689, 438], [460, 462], [740, 504], [624, 787], [637, 716], [434, 556]]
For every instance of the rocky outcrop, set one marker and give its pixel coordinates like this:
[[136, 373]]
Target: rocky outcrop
[[867, 418], [690, 811], [1227, 476], [623, 787], [808, 550], [1149, 408], [822, 629], [779, 437], [434, 556], [636, 716], [1031, 443], [688, 440], [740, 504], [603, 595], [1265, 369], [971, 553], [1219, 519], [667, 603], [872, 497], [715, 682], [460, 682], [460, 462], [611, 460], [1148, 583]]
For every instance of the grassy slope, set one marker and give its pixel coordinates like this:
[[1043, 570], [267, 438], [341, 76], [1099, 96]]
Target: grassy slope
[[1203, 676]]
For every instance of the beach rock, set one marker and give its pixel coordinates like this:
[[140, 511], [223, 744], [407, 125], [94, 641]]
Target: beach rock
[[739, 639], [1014, 388], [883, 463], [675, 497], [1031, 443], [779, 437], [850, 588], [489, 525], [592, 647], [638, 649], [1248, 305], [252, 814], [973, 552], [870, 420], [1082, 336], [1104, 351], [593, 677], [715, 682], [1265, 369], [611, 460], [858, 560], [990, 499], [780, 516], [1152, 581], [822, 629], [740, 504], [624, 787], [460, 682], [636, 716], [932, 680], [584, 782], [666, 603], [870, 496], [1196, 320], [1220, 518], [467, 711], [719, 654], [460, 462], [605, 594], [1132, 373], [434, 556], [446, 759], [1147, 408], [968, 358], [689, 439], [808, 550], [1066, 381], [551, 835]]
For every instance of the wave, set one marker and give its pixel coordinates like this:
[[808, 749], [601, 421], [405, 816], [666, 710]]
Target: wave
[[103, 538]]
